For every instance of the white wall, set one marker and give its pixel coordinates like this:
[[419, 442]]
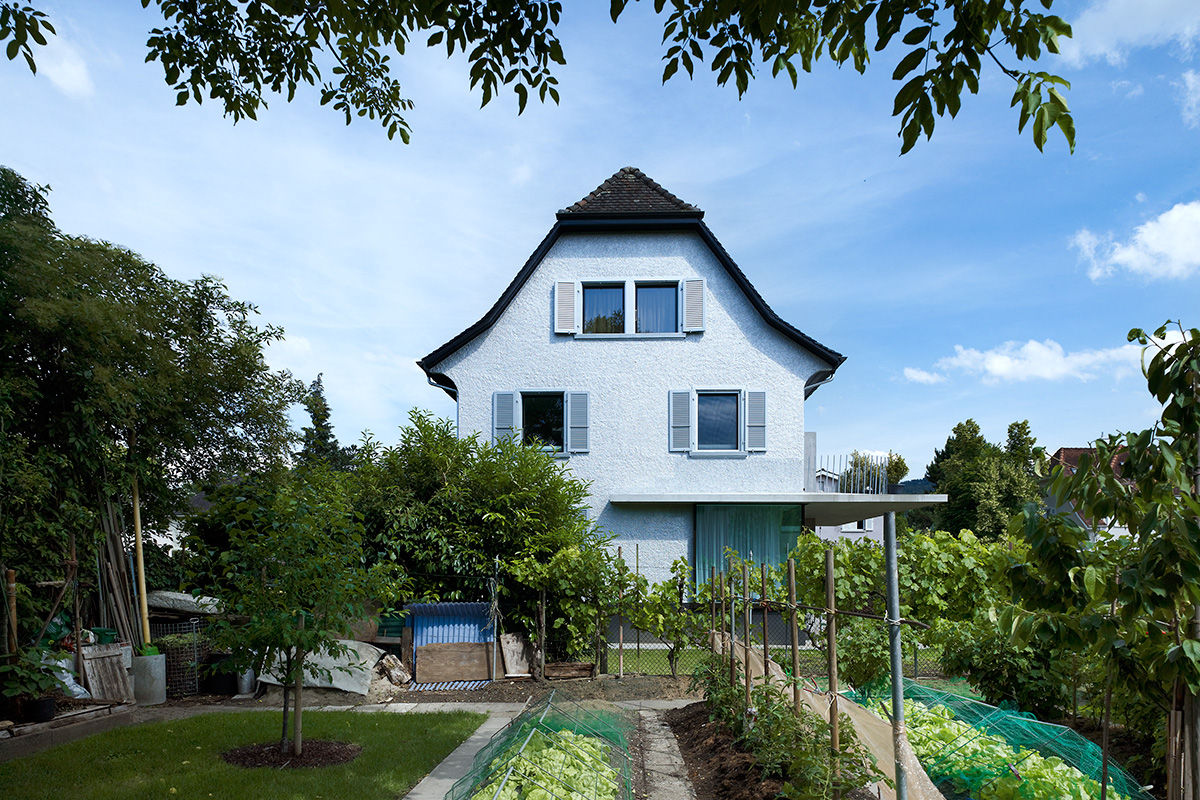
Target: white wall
[[628, 381]]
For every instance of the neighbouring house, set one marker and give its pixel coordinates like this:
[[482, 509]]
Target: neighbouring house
[[1067, 458], [632, 346]]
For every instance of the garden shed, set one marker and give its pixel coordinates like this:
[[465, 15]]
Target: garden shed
[[452, 642]]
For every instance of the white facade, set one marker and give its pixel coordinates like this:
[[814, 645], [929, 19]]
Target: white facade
[[628, 379]]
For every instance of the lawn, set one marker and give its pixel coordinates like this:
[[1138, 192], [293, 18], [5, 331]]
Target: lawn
[[182, 759]]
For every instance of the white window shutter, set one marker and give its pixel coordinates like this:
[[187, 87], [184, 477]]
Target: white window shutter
[[566, 307], [693, 305], [756, 421], [505, 420], [578, 422], [679, 413]]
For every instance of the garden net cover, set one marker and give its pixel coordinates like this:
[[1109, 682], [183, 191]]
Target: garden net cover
[[556, 749], [975, 750]]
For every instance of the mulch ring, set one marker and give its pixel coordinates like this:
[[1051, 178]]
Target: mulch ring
[[317, 753], [717, 767]]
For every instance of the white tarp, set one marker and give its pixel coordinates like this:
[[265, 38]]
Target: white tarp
[[351, 671]]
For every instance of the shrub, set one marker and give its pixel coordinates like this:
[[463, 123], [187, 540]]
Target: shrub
[[1031, 677]]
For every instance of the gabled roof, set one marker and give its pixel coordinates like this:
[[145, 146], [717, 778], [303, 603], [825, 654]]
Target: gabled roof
[[630, 201], [629, 192]]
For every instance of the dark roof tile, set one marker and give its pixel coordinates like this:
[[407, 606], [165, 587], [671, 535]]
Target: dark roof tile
[[630, 193]]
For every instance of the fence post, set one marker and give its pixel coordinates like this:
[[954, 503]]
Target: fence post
[[893, 622], [637, 570], [542, 638], [721, 581], [766, 638], [835, 741], [791, 564], [746, 628], [712, 600], [11, 578], [620, 616]]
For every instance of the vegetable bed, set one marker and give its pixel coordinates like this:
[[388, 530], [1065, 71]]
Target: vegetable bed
[[553, 766]]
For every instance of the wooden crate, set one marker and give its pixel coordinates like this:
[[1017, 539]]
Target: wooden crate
[[570, 669]]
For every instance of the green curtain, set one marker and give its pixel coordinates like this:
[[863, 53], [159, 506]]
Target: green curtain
[[767, 531]]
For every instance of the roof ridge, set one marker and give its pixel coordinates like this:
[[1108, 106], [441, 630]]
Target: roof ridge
[[629, 192]]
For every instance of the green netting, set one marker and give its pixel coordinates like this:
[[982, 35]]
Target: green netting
[[557, 749], [978, 751]]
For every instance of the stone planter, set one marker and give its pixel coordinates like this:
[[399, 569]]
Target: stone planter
[[150, 679]]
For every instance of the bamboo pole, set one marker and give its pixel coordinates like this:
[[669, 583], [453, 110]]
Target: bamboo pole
[[721, 638], [746, 628], [712, 599], [791, 566], [732, 628], [542, 638], [835, 739], [12, 612], [766, 613], [143, 609], [620, 616]]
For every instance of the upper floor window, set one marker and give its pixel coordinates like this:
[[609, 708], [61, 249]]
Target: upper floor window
[[629, 307], [657, 307], [717, 421], [604, 308]]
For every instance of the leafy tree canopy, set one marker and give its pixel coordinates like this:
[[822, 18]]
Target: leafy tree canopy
[[986, 483], [109, 368], [237, 52]]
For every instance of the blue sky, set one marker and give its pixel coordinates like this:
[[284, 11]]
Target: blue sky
[[973, 277]]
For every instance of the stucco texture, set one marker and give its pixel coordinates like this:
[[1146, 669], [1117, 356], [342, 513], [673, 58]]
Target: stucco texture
[[628, 381]]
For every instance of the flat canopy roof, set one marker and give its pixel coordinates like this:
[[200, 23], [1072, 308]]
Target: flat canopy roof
[[822, 508]]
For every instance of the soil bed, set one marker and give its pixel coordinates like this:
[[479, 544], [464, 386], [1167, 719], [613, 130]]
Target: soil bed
[[317, 753], [717, 767]]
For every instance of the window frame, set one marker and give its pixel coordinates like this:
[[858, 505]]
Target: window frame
[[676, 285], [630, 302], [562, 394], [612, 284], [740, 424]]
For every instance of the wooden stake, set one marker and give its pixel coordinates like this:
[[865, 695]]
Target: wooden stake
[[732, 628], [620, 617], [791, 566], [766, 638], [721, 581], [143, 609], [746, 627], [831, 645], [712, 597], [542, 638]]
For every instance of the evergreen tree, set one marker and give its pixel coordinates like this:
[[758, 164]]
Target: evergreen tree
[[320, 445]]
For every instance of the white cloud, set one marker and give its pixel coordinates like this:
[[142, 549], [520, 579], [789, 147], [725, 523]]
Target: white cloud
[[64, 66], [921, 376], [1140, 197], [1128, 88], [1045, 360], [1108, 29], [1167, 246], [1189, 98]]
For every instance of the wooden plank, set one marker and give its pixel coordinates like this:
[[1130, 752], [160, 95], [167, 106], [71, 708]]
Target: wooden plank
[[460, 661], [517, 654], [569, 669], [104, 672]]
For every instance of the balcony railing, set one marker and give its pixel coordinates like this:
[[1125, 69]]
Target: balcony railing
[[851, 474]]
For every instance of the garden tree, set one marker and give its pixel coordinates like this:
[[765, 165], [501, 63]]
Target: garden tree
[[985, 484], [865, 469], [445, 507], [237, 53], [897, 468], [320, 446], [1131, 601], [658, 610], [291, 578], [109, 372]]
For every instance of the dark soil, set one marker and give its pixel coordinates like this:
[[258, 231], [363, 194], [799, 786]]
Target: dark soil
[[605, 687], [717, 767], [1131, 749], [317, 753]]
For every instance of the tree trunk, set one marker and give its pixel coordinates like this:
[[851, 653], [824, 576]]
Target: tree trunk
[[298, 714]]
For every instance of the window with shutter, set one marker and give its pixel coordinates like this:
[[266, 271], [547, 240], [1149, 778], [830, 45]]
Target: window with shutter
[[504, 415], [679, 413], [577, 422], [693, 304], [566, 307], [756, 421]]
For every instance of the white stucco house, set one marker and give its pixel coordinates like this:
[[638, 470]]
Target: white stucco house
[[633, 346]]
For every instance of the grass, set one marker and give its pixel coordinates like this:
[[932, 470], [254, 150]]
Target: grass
[[182, 759]]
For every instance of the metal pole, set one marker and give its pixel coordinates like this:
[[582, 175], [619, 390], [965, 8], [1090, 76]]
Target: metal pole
[[495, 604], [637, 570], [893, 614], [835, 739], [620, 616], [12, 612], [791, 566]]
